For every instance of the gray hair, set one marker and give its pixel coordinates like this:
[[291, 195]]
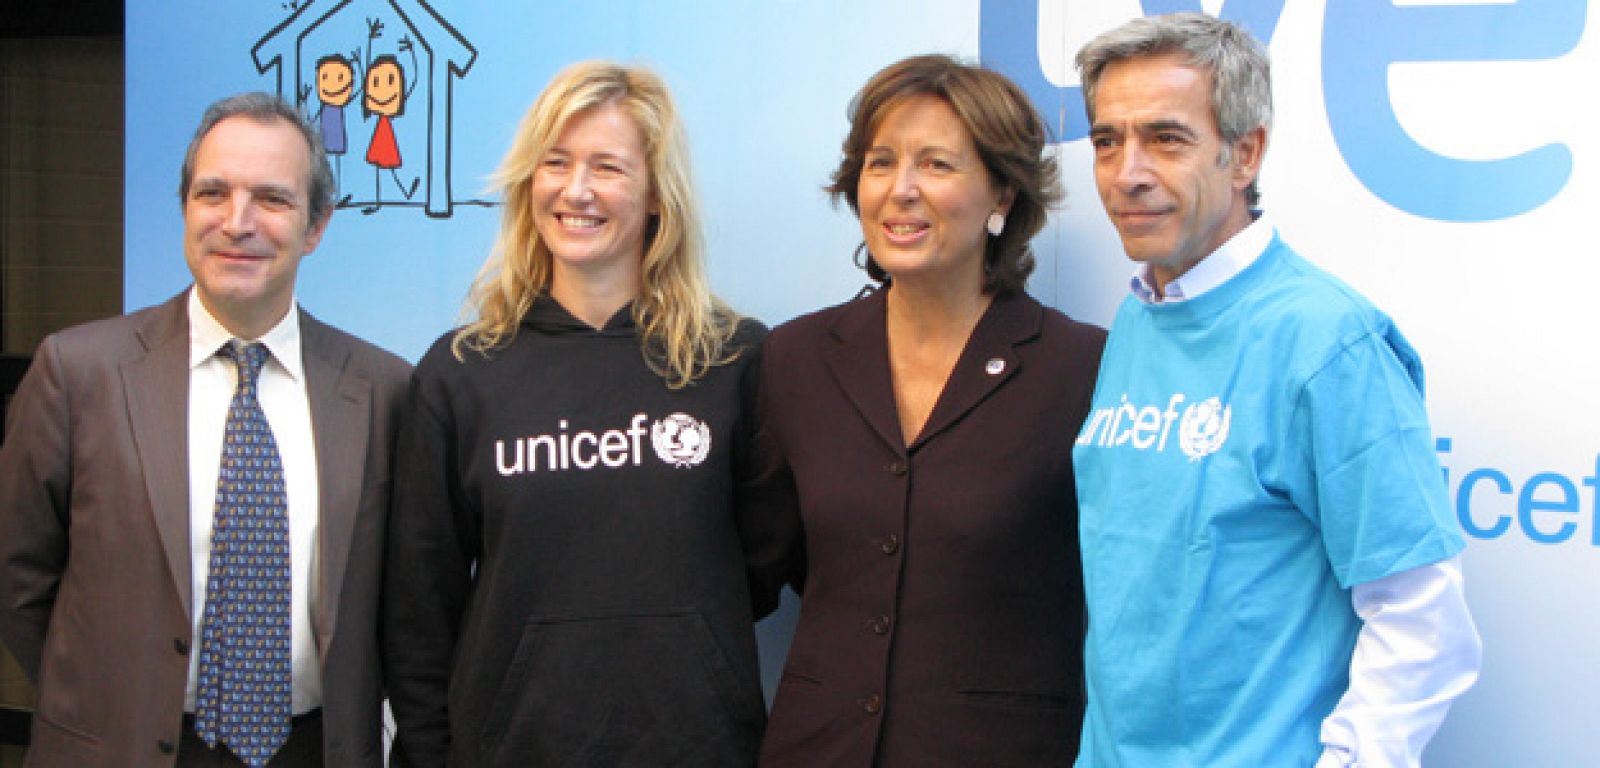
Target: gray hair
[[265, 108], [1241, 77]]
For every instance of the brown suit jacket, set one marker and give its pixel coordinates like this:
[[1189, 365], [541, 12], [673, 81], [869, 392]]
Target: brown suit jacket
[[95, 595], [941, 615]]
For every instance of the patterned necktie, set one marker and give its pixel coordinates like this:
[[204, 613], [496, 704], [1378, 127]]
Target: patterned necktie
[[242, 697]]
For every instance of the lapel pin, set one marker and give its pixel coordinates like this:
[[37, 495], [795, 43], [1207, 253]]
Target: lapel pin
[[994, 367]]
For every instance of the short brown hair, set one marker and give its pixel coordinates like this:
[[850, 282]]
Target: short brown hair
[[1006, 130]]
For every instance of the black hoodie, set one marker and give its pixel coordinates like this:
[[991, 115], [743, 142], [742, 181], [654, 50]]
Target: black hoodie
[[564, 583]]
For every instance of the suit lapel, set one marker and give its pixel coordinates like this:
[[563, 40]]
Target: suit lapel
[[989, 360], [340, 411], [860, 364], [156, 389]]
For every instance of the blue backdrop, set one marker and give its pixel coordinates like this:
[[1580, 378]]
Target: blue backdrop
[[1440, 156]]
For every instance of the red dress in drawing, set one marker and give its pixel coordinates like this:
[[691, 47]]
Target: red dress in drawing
[[384, 152]]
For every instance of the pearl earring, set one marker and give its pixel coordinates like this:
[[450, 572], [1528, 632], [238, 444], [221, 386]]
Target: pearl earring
[[996, 224]]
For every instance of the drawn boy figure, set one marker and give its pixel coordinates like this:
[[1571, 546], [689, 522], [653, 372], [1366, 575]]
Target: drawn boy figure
[[336, 86]]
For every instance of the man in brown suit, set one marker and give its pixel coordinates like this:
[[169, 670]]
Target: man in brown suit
[[116, 497]]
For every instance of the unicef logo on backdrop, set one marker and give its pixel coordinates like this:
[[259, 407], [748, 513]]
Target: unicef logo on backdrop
[[1204, 428], [681, 440]]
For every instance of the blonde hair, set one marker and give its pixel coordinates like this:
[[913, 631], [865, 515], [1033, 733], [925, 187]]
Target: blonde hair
[[683, 328]]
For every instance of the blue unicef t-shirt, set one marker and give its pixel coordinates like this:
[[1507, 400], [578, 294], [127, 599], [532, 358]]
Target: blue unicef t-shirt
[[1251, 454]]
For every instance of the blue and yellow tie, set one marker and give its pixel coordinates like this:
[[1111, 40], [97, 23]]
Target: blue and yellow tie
[[243, 695]]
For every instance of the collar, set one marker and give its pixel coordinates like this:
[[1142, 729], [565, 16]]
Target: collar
[[1231, 258], [547, 314], [1013, 315], [206, 336]]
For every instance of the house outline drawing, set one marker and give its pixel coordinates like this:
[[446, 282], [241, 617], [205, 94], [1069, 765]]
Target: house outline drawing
[[446, 56]]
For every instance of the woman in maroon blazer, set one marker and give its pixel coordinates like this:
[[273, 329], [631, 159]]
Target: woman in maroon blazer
[[925, 434]]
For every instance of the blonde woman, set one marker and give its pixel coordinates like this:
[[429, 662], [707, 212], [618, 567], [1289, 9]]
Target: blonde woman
[[564, 582]]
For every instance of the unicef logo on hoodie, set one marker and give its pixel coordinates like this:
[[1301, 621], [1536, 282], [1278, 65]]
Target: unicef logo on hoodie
[[681, 440]]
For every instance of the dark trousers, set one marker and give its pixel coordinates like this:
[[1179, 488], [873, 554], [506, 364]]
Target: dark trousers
[[302, 750]]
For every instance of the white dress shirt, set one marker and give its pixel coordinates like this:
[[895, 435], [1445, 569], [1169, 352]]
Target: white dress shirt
[[282, 393], [1418, 648]]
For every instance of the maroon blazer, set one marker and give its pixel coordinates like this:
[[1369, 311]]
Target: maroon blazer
[[941, 615], [94, 535]]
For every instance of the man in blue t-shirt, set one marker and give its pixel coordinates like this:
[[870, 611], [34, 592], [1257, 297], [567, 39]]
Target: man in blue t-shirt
[[1271, 564]]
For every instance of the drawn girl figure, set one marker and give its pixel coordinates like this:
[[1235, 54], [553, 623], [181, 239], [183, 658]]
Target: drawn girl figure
[[386, 94]]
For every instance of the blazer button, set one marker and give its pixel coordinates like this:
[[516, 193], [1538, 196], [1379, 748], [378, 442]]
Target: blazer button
[[880, 625], [181, 645], [890, 545], [897, 468], [166, 747], [872, 705]]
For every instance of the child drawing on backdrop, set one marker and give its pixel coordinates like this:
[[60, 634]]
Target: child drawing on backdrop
[[386, 95]]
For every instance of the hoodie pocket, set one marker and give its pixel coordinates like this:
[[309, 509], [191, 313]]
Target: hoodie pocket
[[628, 688]]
